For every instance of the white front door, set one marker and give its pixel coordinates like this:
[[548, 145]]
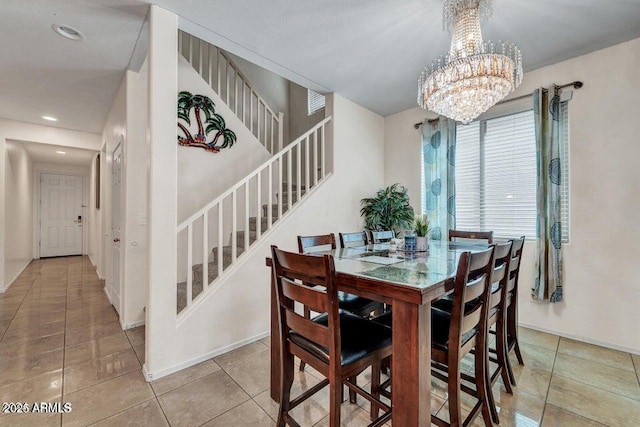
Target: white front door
[[61, 218], [116, 181]]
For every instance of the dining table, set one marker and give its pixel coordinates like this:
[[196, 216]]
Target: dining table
[[408, 281]]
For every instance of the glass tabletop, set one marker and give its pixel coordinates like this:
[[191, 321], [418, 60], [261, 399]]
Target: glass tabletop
[[414, 269]]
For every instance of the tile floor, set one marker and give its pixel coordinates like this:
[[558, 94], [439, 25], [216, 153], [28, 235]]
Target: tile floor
[[61, 342]]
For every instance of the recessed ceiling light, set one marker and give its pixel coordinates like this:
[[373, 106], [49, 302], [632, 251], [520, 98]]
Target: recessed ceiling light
[[68, 32], [61, 152], [49, 118]]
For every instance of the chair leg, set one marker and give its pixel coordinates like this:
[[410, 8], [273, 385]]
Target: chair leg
[[375, 389], [453, 387], [516, 347], [307, 315], [501, 353], [352, 394], [286, 381], [481, 370], [335, 400]]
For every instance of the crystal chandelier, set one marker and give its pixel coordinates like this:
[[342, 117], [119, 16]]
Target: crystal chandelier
[[475, 75]]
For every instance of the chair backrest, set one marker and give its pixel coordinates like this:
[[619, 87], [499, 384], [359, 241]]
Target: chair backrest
[[381, 236], [471, 235], [472, 285], [309, 244], [514, 267], [348, 240], [309, 280], [500, 275]]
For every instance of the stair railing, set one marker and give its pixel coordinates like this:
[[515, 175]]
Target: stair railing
[[302, 163], [235, 89]]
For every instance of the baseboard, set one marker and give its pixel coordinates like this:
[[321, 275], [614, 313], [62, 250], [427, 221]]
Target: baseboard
[[100, 276], [107, 294], [6, 288], [131, 325], [152, 376], [581, 338]]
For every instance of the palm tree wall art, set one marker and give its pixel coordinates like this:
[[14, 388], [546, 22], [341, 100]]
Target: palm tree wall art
[[215, 124]]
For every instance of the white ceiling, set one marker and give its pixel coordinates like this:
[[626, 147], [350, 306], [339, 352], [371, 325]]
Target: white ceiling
[[370, 51], [46, 153]]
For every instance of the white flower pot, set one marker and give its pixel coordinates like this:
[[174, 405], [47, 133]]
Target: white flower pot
[[421, 242]]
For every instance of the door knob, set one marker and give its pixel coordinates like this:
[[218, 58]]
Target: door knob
[[116, 240]]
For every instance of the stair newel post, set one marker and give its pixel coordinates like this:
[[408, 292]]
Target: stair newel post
[[269, 195], [246, 215], [220, 235], [234, 225], [205, 250], [298, 171], [315, 157], [307, 184], [189, 263], [289, 177], [280, 130]]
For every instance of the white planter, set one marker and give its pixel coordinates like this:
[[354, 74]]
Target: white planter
[[421, 242]]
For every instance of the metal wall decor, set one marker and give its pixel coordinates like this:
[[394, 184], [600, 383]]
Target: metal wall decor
[[213, 124]]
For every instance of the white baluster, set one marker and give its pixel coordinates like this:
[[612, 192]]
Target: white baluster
[[280, 180], [273, 144], [269, 195], [289, 176], [246, 215], [218, 88], [205, 250], [315, 157], [251, 110], [220, 232], [235, 91], [259, 197], [234, 225], [323, 157], [191, 50], [280, 130], [211, 49], [189, 264], [307, 184], [200, 57], [298, 171], [265, 128]]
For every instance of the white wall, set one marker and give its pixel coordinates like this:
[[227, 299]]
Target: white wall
[[19, 131], [18, 206], [601, 284], [94, 220], [238, 310], [202, 175], [299, 119]]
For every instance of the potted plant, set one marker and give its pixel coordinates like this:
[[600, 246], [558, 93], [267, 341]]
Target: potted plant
[[421, 228], [389, 209]]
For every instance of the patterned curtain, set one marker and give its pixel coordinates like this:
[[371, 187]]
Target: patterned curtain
[[438, 159], [548, 281]]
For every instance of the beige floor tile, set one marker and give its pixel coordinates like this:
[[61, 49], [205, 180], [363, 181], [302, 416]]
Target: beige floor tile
[[105, 399], [531, 380], [33, 331], [636, 362], [556, 417], [136, 336], [266, 341], [38, 319], [4, 325], [140, 353], [96, 348], [41, 388], [249, 414], [350, 416], [595, 353], [517, 410], [7, 314], [594, 403], [185, 376], [535, 357], [30, 420], [253, 373], [598, 375], [17, 369], [35, 311], [84, 334], [537, 338], [147, 414], [240, 354], [14, 350], [99, 370], [201, 400]]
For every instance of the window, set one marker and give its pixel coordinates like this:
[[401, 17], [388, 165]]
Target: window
[[315, 101], [496, 175]]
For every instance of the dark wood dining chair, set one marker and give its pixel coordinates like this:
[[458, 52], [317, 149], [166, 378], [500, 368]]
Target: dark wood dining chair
[[381, 236], [471, 235], [338, 344], [512, 306], [456, 333], [355, 304], [349, 240]]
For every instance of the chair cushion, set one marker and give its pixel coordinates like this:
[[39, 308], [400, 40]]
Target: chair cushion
[[356, 304], [440, 321], [358, 338]]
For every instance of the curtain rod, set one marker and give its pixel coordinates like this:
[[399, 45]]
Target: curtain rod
[[576, 85]]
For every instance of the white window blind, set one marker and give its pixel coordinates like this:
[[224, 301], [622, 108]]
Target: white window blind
[[496, 175], [315, 101]]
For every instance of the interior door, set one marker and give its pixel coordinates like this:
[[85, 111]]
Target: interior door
[[61, 220], [116, 170]]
